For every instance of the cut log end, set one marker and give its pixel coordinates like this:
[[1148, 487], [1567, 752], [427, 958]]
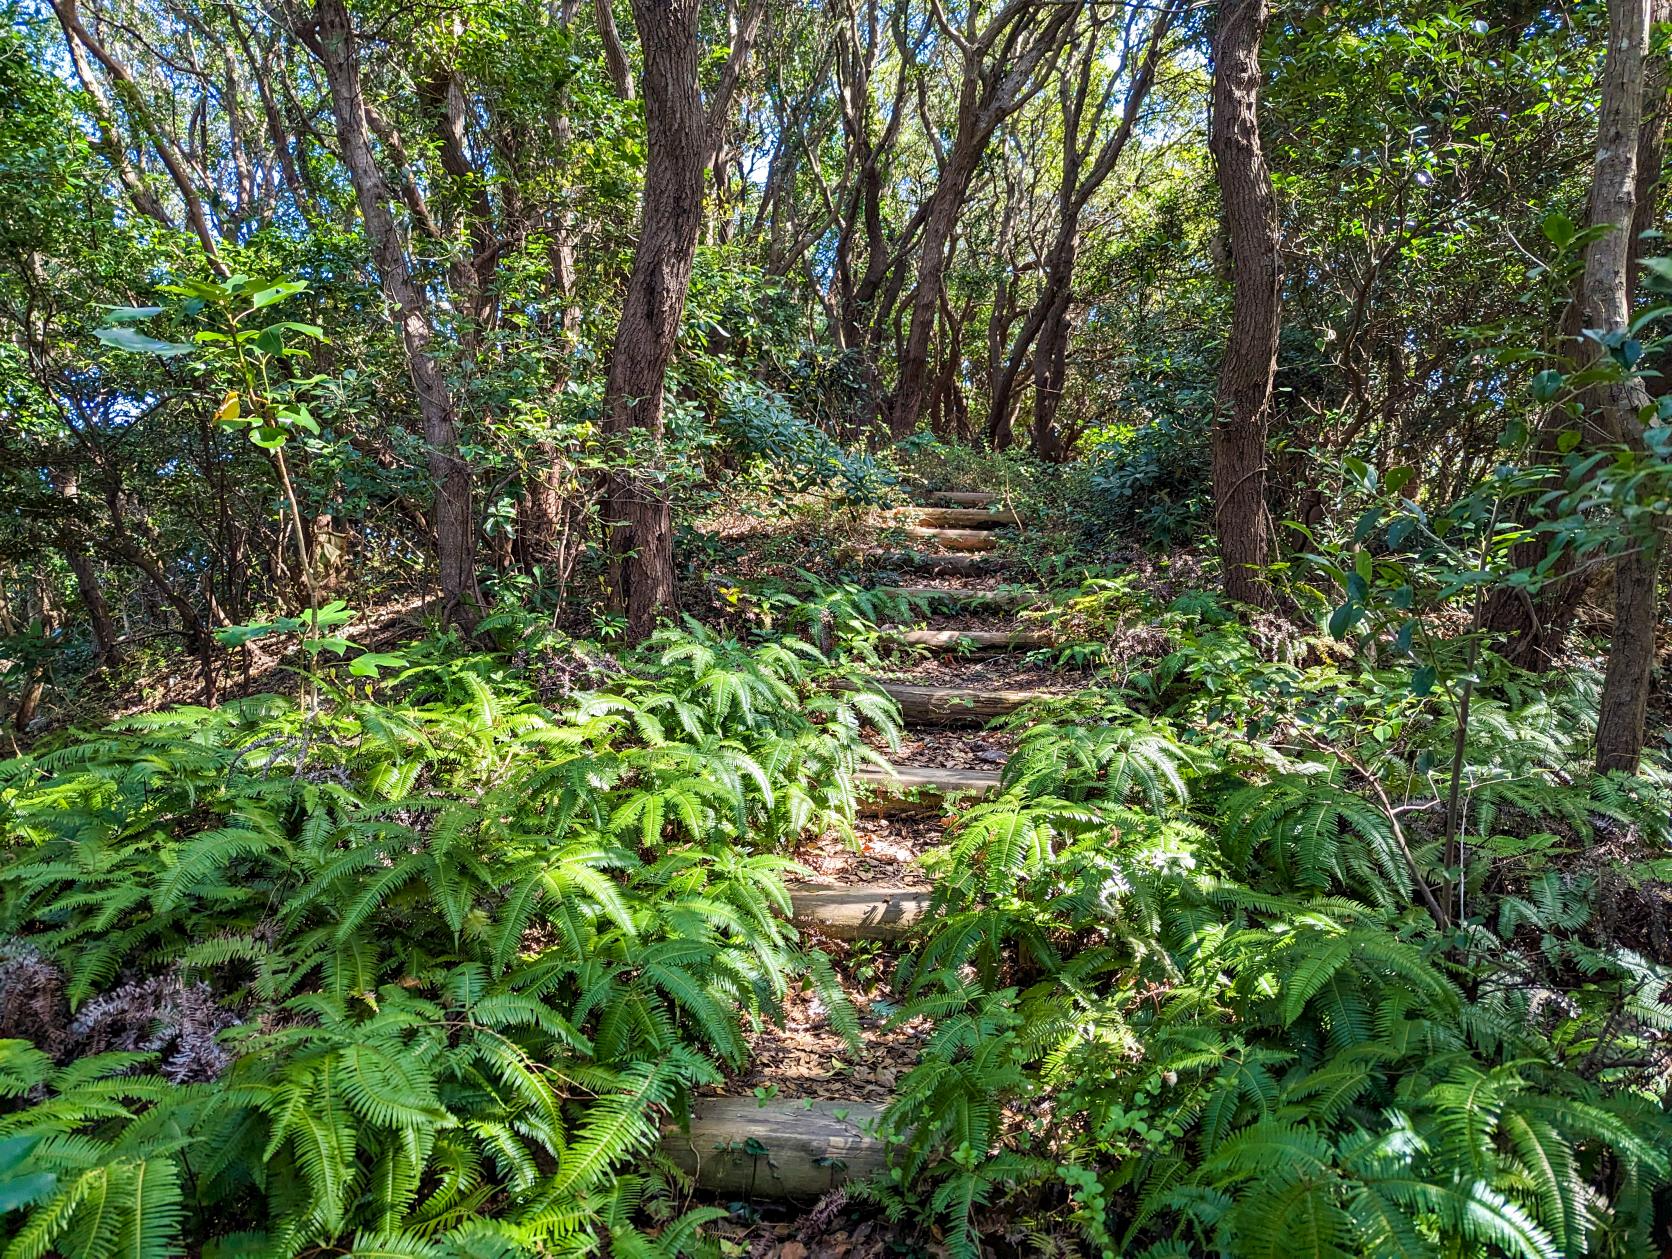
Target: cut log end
[[782, 1149]]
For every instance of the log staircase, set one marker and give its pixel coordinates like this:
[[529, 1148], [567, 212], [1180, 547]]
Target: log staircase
[[799, 1149]]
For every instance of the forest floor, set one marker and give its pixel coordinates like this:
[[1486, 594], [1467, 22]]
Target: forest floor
[[805, 1057]]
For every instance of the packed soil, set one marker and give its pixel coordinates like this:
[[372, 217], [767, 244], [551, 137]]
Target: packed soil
[[835, 1228], [967, 620], [807, 1057], [885, 850], [951, 749], [1000, 673]]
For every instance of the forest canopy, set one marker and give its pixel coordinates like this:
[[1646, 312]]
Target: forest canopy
[[835, 627]]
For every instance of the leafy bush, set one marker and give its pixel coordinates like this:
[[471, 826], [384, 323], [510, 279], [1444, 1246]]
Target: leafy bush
[[473, 949], [1186, 1001], [759, 423], [1148, 482]]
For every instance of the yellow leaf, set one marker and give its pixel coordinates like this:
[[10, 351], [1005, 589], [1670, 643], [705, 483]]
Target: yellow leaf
[[228, 409]]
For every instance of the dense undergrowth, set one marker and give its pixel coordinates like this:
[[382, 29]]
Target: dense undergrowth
[[416, 974], [1211, 978], [1270, 943]]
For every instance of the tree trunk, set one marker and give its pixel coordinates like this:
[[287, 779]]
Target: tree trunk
[[636, 512], [1003, 67], [937, 235], [1606, 304], [615, 56], [105, 648], [455, 522], [1245, 376]]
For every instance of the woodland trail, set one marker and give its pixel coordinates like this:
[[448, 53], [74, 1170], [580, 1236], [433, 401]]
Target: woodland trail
[[769, 1143]]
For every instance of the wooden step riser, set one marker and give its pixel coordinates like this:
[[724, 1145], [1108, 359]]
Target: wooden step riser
[[957, 518], [924, 791], [954, 539], [949, 706], [808, 1149], [974, 644], [922, 561], [859, 911]]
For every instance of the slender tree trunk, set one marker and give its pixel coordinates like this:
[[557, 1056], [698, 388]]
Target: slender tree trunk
[[1050, 362], [1046, 320], [937, 234], [615, 56], [1606, 306], [1003, 67], [1241, 519], [455, 522], [75, 32], [105, 648], [636, 511]]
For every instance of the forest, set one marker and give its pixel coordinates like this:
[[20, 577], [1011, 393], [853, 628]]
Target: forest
[[835, 629]]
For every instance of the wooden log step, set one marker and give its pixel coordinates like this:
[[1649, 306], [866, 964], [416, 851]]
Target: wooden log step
[[944, 596], [782, 1149], [957, 517], [953, 705], [959, 498], [974, 562], [973, 643], [859, 911], [954, 539], [913, 788]]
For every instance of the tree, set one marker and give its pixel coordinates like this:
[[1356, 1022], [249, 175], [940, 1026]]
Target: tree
[[637, 516], [1002, 65], [455, 520], [1241, 518], [1619, 404], [1086, 166]]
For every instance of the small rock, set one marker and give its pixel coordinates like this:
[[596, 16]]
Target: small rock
[[993, 758]]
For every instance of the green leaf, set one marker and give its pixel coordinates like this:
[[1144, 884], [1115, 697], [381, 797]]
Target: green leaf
[[1341, 620], [367, 664], [276, 293], [138, 343], [1547, 384]]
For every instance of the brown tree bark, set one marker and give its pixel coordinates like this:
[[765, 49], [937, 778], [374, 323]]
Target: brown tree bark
[[615, 56], [106, 651], [1241, 519], [637, 517], [1606, 307], [455, 522]]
